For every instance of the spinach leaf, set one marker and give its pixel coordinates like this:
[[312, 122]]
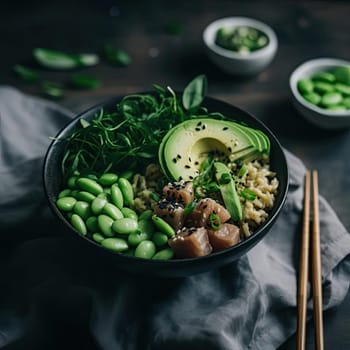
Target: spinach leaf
[[194, 93]]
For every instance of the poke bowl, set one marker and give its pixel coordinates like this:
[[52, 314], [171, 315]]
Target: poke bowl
[[166, 183]]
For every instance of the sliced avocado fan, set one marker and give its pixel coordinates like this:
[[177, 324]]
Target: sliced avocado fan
[[185, 146]]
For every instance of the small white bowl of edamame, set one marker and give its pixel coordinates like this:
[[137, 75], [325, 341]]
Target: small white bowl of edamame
[[239, 45], [320, 91]]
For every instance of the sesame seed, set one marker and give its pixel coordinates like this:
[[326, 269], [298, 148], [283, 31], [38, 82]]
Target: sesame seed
[[174, 160], [225, 128], [187, 166]]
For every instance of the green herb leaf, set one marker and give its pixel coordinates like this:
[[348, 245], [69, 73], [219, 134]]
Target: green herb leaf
[[59, 60], [248, 194], [190, 207], [84, 81], [25, 73], [84, 123], [194, 93], [215, 222], [116, 56], [52, 90]]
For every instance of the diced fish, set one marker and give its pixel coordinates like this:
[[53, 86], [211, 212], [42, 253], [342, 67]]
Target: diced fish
[[227, 236], [171, 212], [191, 243], [200, 215], [181, 192]]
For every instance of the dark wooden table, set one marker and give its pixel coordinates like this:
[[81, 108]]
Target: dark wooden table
[[305, 30]]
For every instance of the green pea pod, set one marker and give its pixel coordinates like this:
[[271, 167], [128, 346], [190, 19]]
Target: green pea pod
[[163, 226], [79, 224], [146, 250], [127, 191]]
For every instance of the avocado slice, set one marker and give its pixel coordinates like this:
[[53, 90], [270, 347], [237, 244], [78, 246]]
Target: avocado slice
[[185, 147], [228, 191]]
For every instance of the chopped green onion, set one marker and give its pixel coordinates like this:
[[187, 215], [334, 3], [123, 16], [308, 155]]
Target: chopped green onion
[[154, 196], [189, 207], [52, 90], [225, 178], [243, 170], [215, 222], [212, 187], [248, 194]]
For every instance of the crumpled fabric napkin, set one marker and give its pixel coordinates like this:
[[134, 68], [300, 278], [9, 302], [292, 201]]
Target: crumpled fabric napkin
[[47, 285]]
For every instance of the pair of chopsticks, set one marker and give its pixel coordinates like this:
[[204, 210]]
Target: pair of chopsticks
[[315, 265]]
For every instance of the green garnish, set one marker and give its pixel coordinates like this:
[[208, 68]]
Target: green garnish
[[243, 170], [83, 81], [215, 222], [194, 93], [116, 56], [52, 89], [248, 194], [26, 74], [189, 207], [225, 178]]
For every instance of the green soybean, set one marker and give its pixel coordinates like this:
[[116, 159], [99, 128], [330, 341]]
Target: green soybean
[[98, 204], [85, 196], [164, 254], [342, 74], [346, 102], [313, 98], [127, 191], [79, 224], [146, 215], [160, 239], [72, 182], [147, 226], [82, 209], [117, 196], [163, 226], [97, 237], [115, 244], [146, 250], [112, 211], [305, 86], [136, 238], [66, 203], [129, 213], [128, 174], [108, 179], [64, 193], [89, 185], [74, 193], [125, 226], [336, 108], [322, 87], [325, 77], [331, 99], [92, 224], [105, 224], [343, 89]]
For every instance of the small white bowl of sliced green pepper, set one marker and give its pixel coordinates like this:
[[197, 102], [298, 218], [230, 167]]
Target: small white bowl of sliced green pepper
[[321, 92], [240, 45]]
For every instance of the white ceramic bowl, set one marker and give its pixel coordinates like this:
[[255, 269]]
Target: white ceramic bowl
[[235, 63], [316, 115]]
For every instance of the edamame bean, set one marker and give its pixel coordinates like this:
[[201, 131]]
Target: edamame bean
[[74, 193], [85, 196], [147, 226], [343, 89], [322, 87], [146, 250], [89, 185], [105, 224], [91, 177], [79, 224], [64, 193], [160, 239], [324, 76], [82, 209], [115, 244], [72, 182], [336, 108], [125, 226], [305, 86], [108, 179], [331, 99], [98, 204], [136, 238], [97, 237], [313, 98], [342, 74], [127, 175], [346, 102], [146, 215], [66, 203], [164, 254], [127, 191], [111, 210], [92, 224], [163, 226], [129, 213], [117, 196]]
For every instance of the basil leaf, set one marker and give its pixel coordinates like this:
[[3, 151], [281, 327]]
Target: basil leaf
[[62, 61], [25, 73], [194, 93], [52, 90], [116, 56], [84, 81]]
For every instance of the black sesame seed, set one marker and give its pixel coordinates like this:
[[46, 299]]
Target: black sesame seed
[[174, 160], [179, 156], [196, 163], [191, 178], [189, 159], [203, 127], [187, 166], [225, 128], [229, 149]]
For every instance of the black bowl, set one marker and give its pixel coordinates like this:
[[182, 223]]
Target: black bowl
[[52, 180]]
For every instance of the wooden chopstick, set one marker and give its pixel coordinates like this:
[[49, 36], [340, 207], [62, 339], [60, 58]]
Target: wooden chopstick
[[304, 266]]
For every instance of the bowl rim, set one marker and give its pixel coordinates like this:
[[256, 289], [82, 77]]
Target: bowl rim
[[211, 29], [261, 231], [321, 63]]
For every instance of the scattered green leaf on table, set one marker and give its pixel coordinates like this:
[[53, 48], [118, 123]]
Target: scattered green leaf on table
[[83, 81], [25, 73], [195, 92], [116, 56], [52, 89], [59, 60]]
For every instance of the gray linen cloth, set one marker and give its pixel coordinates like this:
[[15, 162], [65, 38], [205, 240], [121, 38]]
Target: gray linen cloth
[[47, 285]]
